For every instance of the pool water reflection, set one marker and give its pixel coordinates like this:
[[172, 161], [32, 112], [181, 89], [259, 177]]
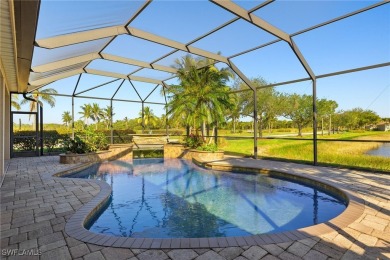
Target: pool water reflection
[[175, 198]]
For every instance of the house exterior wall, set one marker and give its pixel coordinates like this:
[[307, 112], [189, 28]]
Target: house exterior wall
[[383, 127], [2, 106], [4, 126]]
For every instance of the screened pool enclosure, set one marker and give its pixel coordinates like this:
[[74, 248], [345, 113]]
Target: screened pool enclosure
[[123, 51]]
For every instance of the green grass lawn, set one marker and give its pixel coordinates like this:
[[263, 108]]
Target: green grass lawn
[[348, 154]]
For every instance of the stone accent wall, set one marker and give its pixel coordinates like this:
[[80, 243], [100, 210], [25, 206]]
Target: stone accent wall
[[174, 151], [206, 156], [179, 151], [116, 151]]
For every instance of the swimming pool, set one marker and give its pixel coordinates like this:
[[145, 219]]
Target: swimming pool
[[173, 198]]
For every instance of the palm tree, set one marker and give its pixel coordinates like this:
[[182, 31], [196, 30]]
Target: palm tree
[[40, 96], [14, 101], [202, 98], [235, 112], [149, 118], [126, 121], [96, 113], [66, 118], [163, 120], [179, 111], [108, 114], [86, 112]]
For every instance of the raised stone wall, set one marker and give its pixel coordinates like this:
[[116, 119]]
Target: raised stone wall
[[179, 151], [174, 151], [206, 156], [116, 151]]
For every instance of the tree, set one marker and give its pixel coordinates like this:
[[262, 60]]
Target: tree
[[14, 101], [178, 111], [357, 118], [96, 114], [79, 125], [108, 114], [325, 109], [41, 96], [368, 117], [298, 108], [126, 120], [86, 112], [149, 119], [66, 118], [235, 112], [164, 120], [267, 102], [202, 97]]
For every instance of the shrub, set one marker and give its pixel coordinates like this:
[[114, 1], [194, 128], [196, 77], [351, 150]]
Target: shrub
[[87, 140], [53, 139], [26, 140], [24, 143], [208, 148], [75, 146], [193, 141], [94, 140]]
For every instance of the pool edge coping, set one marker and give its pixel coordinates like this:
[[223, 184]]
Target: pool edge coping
[[75, 226]]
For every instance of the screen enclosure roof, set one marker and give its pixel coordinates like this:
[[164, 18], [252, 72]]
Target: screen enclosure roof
[[110, 44]]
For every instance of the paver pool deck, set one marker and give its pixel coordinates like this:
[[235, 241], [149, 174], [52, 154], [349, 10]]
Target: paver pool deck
[[35, 208]]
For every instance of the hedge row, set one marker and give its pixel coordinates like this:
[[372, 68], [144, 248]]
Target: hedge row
[[25, 140], [52, 139]]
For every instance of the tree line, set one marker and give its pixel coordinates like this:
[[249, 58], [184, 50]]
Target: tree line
[[272, 106], [99, 115]]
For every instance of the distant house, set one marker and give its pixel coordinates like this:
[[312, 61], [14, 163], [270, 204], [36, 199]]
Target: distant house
[[383, 127], [371, 127]]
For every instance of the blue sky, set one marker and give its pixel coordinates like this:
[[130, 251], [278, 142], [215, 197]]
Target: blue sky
[[361, 40]]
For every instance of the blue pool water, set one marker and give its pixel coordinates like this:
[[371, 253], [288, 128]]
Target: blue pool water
[[175, 198]]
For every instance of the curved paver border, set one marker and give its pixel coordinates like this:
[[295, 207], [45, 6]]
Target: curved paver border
[[75, 227]]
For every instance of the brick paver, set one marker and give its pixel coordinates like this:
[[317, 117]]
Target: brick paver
[[35, 208]]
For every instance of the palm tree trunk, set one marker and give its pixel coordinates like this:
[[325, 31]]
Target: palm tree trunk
[[212, 135], [203, 130]]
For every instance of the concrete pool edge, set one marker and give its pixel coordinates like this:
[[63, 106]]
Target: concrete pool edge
[[75, 227]]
